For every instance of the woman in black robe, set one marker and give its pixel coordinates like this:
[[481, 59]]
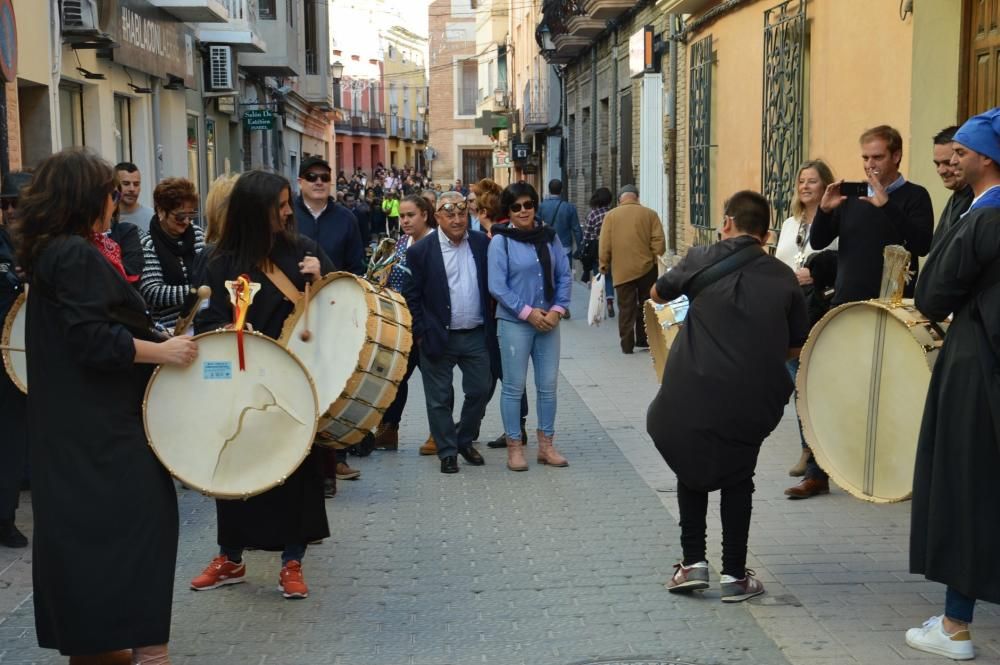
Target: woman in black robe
[[105, 510], [256, 233]]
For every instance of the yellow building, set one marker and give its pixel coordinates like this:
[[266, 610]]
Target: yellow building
[[405, 88], [761, 86]]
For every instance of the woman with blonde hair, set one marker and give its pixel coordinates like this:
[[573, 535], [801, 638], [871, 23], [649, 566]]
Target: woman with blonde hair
[[816, 272], [216, 205]]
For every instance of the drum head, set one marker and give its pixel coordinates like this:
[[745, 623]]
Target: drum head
[[338, 315], [862, 383], [15, 360], [230, 433]]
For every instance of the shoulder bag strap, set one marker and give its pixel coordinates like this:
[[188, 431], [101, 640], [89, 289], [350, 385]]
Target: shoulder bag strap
[[281, 281], [713, 273]]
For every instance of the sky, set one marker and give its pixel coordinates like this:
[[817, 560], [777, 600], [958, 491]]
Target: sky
[[354, 24]]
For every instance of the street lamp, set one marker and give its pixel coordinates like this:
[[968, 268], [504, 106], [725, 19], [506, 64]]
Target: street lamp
[[548, 46], [394, 109], [421, 110], [337, 70]]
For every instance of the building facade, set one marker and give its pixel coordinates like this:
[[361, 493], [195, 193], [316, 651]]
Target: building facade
[[167, 85], [405, 88], [359, 113], [457, 148]]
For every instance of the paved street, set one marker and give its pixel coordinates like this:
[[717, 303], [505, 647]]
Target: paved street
[[548, 567]]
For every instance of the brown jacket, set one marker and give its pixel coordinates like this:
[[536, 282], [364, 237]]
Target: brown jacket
[[631, 239]]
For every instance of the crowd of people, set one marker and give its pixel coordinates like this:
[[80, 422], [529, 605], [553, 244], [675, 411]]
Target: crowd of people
[[487, 273]]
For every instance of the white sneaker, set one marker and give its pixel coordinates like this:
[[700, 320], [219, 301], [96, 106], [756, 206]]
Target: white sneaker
[[931, 638]]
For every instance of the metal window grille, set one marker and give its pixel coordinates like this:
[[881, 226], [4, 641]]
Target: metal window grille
[[700, 140], [782, 134]]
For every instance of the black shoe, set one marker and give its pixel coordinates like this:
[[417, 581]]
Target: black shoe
[[499, 442], [11, 537], [449, 464], [472, 456]]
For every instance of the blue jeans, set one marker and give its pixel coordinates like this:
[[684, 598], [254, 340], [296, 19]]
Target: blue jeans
[[291, 553], [609, 285], [519, 341], [812, 469], [958, 606]]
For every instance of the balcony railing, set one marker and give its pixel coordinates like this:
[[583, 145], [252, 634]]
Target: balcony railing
[[535, 109], [241, 10], [359, 122]]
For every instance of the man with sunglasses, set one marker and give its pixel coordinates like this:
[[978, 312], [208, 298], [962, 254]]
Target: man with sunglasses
[[13, 438], [449, 301], [334, 228]]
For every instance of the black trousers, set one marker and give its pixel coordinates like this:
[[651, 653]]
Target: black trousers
[[737, 504], [13, 445], [394, 414]]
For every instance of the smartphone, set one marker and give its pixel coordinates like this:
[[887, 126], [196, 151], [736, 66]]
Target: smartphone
[[854, 189]]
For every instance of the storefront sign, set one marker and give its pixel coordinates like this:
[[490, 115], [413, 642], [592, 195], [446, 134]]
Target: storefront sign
[[501, 160], [226, 104], [258, 120], [152, 41], [640, 52], [521, 151], [8, 42]]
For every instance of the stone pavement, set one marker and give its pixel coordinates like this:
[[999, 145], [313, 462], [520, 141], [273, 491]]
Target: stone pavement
[[552, 566]]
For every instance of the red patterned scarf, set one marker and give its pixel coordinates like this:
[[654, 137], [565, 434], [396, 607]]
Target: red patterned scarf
[[110, 250]]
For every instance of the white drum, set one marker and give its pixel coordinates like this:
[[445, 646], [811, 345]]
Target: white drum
[[862, 381], [228, 433], [15, 360], [357, 352]]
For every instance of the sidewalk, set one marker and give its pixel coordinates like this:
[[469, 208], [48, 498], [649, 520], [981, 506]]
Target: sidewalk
[[547, 567]]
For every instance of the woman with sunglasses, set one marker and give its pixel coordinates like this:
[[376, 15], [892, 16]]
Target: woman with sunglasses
[[258, 239], [170, 250], [815, 271], [530, 277], [416, 220], [105, 510]]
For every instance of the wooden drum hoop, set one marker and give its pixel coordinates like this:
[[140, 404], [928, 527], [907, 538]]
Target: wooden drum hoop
[[13, 342]]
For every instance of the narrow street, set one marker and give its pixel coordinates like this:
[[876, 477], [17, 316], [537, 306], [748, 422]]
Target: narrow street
[[548, 567]]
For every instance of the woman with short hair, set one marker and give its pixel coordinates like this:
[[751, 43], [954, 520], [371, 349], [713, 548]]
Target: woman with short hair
[[170, 250]]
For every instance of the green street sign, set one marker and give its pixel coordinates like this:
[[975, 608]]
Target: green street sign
[[258, 120]]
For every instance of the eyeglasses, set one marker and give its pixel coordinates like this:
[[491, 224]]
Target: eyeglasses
[[116, 196], [185, 216], [313, 177], [527, 205], [8, 204], [452, 207]]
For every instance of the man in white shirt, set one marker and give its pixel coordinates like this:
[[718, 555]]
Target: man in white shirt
[[129, 208]]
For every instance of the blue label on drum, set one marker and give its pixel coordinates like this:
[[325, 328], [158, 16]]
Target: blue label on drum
[[216, 370]]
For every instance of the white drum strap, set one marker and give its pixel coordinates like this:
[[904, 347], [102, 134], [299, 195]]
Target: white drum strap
[[874, 389]]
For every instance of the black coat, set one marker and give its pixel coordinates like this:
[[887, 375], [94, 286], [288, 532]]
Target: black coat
[[105, 541], [128, 238], [13, 439], [954, 535], [427, 295], [293, 513], [725, 384]]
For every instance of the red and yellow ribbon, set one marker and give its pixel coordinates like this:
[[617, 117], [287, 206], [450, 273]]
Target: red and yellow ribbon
[[244, 296]]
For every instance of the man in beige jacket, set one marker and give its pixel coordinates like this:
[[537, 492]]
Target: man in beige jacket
[[631, 239]]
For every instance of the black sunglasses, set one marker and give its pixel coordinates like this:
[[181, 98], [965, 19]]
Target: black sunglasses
[[185, 216], [452, 207], [313, 177], [527, 205], [8, 204]]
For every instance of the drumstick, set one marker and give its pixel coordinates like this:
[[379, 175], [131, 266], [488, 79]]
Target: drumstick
[[4, 347], [203, 293], [306, 334]]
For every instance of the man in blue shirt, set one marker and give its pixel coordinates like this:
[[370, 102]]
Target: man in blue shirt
[[562, 216]]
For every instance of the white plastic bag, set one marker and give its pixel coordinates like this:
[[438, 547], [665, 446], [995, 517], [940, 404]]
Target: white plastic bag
[[597, 306]]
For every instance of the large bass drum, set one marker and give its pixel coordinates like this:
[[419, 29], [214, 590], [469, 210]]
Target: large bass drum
[[15, 361], [862, 382], [663, 323], [232, 433], [357, 352]]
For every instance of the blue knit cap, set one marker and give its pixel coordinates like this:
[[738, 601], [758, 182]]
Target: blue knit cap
[[982, 134]]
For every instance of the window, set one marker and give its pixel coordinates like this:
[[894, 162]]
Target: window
[[290, 12], [123, 129], [266, 10], [468, 87], [192, 148], [311, 28], [210, 156], [71, 115]]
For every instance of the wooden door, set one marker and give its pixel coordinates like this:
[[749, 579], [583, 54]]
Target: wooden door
[[982, 37]]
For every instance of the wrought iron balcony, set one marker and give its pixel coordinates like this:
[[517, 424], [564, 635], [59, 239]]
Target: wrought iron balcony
[[536, 114], [571, 29], [604, 10], [348, 121]]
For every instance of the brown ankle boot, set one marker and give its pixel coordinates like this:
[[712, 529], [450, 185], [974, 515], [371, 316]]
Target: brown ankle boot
[[800, 467], [515, 455], [547, 453], [429, 447], [387, 437]]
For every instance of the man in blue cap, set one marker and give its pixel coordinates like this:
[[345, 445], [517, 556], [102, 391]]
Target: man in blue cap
[[953, 535]]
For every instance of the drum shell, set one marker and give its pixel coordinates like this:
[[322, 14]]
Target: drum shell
[[15, 362], [862, 382], [662, 328], [205, 410], [356, 392]]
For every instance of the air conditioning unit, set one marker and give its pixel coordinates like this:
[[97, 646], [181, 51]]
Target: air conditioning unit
[[220, 74], [85, 17]]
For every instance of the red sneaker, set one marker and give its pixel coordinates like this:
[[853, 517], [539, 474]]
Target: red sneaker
[[220, 572], [290, 582]]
